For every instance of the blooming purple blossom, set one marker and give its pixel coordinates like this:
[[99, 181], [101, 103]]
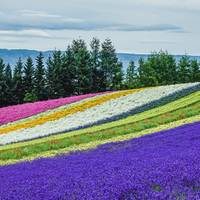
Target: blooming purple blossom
[[163, 165]]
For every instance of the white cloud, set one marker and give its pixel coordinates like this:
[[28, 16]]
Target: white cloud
[[72, 20], [40, 20], [25, 33], [40, 14]]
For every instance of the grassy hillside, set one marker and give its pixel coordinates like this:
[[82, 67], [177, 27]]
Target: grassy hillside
[[126, 133], [76, 122]]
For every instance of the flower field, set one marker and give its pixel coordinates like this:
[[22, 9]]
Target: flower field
[[14, 113], [132, 144], [164, 165]]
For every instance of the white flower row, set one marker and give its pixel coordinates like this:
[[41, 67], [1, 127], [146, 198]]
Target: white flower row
[[49, 112], [107, 111]]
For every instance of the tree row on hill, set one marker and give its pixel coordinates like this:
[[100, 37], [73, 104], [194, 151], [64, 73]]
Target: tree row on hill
[[80, 70], [160, 68], [76, 71]]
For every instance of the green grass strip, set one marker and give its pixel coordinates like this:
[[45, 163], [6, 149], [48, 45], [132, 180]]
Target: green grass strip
[[183, 102], [130, 128]]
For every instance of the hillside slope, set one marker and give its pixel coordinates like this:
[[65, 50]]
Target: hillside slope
[[132, 144], [63, 125]]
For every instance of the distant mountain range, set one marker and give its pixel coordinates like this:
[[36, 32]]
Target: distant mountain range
[[11, 56]]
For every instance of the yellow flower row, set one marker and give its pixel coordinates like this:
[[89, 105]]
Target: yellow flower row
[[68, 111]]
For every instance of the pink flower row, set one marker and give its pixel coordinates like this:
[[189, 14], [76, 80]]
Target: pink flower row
[[17, 112]]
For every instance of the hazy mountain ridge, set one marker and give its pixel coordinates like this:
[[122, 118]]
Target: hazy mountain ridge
[[11, 55]]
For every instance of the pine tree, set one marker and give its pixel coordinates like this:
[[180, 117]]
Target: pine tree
[[170, 76], [117, 76], [131, 75], [28, 78], [81, 63], [164, 66], [147, 75], [68, 74], [8, 85], [8, 75], [183, 70], [97, 74], [54, 74], [110, 66], [158, 69], [194, 71], [49, 79], [2, 84], [39, 78], [18, 89]]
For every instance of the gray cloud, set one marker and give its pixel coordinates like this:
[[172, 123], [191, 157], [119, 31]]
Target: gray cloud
[[29, 33], [61, 23], [157, 27], [89, 26], [33, 20]]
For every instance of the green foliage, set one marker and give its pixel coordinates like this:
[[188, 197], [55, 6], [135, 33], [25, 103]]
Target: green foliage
[[158, 69], [50, 78], [147, 74], [2, 84], [194, 71], [131, 75], [112, 75], [39, 78], [68, 72], [97, 72], [80, 70], [54, 73], [18, 88], [81, 62], [30, 97], [8, 85], [183, 70], [28, 78]]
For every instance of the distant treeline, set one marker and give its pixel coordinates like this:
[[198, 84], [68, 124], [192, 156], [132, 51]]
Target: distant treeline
[[81, 70]]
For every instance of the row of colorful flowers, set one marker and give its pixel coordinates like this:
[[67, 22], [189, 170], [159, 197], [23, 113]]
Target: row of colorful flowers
[[50, 112], [102, 112], [164, 165], [186, 101], [60, 113], [25, 153], [14, 113]]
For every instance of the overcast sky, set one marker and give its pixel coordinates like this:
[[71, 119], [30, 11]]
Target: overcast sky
[[135, 26]]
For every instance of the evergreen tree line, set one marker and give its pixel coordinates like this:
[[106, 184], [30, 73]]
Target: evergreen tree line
[[161, 68], [76, 71], [80, 70]]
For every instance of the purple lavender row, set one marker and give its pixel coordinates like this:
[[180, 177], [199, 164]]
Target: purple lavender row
[[164, 165]]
